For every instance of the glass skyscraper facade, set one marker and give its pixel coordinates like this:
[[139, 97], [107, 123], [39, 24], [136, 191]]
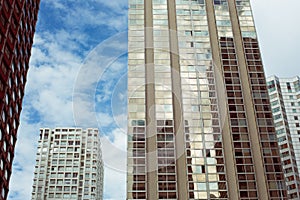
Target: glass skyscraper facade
[[199, 121], [17, 26], [285, 103]]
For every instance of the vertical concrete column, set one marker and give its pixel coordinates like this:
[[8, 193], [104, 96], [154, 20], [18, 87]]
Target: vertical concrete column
[[181, 167], [151, 156], [223, 106], [262, 186]]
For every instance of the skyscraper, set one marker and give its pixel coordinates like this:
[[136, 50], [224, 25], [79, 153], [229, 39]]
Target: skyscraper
[[68, 165], [200, 124], [17, 27], [285, 103]]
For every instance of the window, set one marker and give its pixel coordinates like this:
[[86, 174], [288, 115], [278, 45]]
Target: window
[[295, 117], [280, 131], [277, 116], [289, 87], [219, 2], [274, 103], [189, 33], [274, 110], [273, 96], [201, 33]]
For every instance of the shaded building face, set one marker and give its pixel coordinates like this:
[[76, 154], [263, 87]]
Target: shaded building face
[[200, 125], [17, 26]]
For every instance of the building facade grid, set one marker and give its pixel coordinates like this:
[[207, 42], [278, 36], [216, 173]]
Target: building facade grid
[[68, 165], [285, 102], [17, 26], [200, 125]]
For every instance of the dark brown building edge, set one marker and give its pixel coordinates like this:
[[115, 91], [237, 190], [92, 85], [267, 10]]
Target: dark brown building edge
[[17, 26]]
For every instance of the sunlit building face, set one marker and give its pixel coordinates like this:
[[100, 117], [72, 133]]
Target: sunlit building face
[[200, 124], [68, 165], [285, 103]]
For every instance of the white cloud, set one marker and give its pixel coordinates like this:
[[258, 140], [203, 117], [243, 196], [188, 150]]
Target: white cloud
[[101, 66], [114, 156], [55, 68], [24, 161], [116, 5], [121, 121], [105, 119], [92, 13], [51, 78], [114, 184], [114, 150]]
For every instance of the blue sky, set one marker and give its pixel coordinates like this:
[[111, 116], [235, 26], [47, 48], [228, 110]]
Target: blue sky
[[78, 77], [75, 78]]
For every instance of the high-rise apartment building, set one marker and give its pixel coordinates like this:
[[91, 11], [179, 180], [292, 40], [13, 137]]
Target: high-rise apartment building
[[200, 124], [17, 26], [285, 103], [68, 165]]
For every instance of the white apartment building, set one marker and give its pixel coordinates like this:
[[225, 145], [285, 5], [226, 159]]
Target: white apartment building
[[285, 103], [68, 165]]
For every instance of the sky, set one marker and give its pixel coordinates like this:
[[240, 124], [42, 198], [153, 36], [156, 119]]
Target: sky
[[77, 77]]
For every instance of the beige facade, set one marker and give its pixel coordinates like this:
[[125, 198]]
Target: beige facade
[[200, 125]]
